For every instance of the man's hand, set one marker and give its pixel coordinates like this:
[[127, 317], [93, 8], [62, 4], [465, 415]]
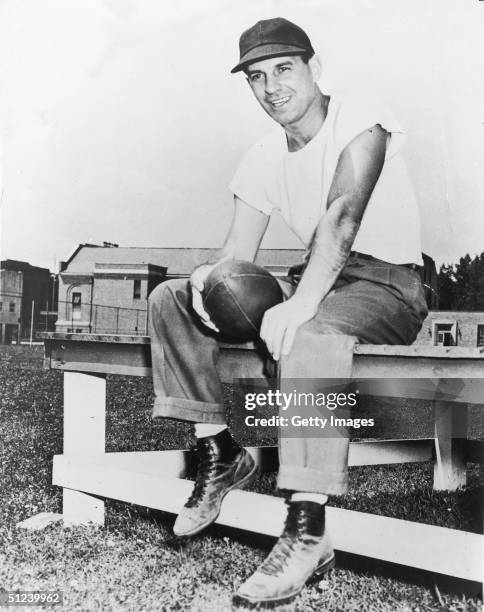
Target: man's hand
[[281, 322], [197, 283]]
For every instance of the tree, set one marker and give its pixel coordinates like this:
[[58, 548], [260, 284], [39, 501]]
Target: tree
[[446, 284], [461, 285]]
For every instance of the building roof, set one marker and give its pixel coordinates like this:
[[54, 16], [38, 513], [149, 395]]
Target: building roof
[[456, 313], [21, 266], [179, 261]]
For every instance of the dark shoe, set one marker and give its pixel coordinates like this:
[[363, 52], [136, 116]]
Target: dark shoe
[[222, 466], [303, 553]]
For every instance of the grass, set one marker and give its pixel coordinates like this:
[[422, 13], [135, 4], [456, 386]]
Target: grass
[[133, 563]]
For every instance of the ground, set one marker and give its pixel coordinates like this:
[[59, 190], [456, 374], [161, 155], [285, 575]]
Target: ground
[[133, 563]]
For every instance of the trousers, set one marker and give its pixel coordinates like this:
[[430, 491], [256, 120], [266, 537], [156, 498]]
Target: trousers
[[371, 302]]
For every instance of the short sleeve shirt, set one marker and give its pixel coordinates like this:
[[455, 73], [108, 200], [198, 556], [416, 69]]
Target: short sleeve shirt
[[297, 184]]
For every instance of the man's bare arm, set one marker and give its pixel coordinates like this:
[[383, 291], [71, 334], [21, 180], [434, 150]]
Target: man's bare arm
[[357, 172], [245, 233], [242, 242]]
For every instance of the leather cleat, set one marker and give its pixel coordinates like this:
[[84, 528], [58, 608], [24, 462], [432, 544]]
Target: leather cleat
[[222, 466], [302, 554]]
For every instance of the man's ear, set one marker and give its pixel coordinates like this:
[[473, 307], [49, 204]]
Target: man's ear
[[316, 67]]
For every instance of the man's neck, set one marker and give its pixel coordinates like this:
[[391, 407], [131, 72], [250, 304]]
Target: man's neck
[[300, 133]]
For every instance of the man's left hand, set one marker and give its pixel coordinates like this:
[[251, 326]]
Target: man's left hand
[[280, 324]]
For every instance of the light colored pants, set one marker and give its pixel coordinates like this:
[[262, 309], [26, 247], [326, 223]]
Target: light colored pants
[[372, 302]]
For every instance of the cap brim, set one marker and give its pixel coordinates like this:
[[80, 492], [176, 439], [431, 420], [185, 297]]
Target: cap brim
[[263, 52]]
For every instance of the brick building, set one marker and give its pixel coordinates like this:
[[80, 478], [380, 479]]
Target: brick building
[[11, 283], [22, 285], [452, 328]]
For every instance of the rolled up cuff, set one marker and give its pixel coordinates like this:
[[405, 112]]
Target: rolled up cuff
[[298, 478], [189, 410]]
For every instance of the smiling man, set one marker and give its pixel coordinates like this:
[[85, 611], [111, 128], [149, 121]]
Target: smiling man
[[334, 171]]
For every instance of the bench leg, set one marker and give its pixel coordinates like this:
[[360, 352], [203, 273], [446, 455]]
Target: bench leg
[[84, 434], [450, 429], [80, 508]]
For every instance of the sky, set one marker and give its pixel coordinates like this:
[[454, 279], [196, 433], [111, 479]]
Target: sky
[[120, 120]]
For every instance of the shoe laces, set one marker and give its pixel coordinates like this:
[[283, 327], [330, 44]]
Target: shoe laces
[[204, 472], [212, 460]]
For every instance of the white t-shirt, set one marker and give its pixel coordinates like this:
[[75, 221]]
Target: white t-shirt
[[297, 184]]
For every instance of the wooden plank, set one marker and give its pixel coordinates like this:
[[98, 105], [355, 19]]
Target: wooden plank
[[450, 469], [103, 354], [174, 463], [123, 339], [135, 360], [441, 352], [372, 365], [420, 351], [79, 508], [94, 338], [101, 368], [457, 390], [436, 549], [84, 434], [84, 413], [251, 367], [131, 355], [40, 521], [386, 452]]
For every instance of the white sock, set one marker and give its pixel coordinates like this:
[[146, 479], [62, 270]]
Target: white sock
[[319, 498], [202, 430]]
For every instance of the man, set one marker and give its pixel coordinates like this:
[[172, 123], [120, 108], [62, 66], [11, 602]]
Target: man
[[335, 174]]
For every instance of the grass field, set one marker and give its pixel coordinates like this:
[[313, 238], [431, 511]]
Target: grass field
[[134, 563]]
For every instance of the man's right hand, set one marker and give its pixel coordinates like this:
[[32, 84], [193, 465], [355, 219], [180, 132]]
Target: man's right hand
[[197, 283]]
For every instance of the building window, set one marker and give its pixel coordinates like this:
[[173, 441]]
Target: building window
[[480, 335], [137, 289], [76, 305], [11, 307], [445, 334]]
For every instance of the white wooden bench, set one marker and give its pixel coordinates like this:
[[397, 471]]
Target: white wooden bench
[[155, 479]]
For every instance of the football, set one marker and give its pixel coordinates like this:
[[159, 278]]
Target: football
[[237, 294]]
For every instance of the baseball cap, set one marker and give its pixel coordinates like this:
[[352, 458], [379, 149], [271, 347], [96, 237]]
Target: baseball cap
[[271, 38]]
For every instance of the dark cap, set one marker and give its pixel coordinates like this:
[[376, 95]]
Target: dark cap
[[272, 38]]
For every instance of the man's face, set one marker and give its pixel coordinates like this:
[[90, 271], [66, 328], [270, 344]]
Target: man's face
[[284, 86]]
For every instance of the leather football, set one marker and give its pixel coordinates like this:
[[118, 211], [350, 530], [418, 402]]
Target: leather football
[[237, 294]]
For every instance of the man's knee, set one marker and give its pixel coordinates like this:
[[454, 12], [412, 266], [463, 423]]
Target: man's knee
[[167, 292], [319, 353], [322, 332]]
